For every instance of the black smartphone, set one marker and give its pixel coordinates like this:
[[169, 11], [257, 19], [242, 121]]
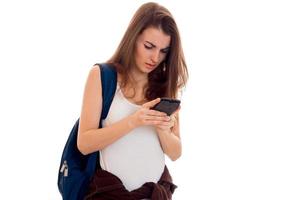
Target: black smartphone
[[167, 105]]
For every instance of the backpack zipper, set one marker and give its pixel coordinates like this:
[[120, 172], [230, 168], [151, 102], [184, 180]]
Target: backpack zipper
[[64, 168]]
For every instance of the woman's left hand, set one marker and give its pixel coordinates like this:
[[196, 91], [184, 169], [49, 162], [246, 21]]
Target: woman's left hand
[[166, 125]]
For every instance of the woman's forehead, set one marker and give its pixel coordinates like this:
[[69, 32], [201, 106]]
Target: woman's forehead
[[156, 37]]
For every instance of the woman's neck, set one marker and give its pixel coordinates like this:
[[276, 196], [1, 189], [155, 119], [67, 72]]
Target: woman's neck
[[140, 80]]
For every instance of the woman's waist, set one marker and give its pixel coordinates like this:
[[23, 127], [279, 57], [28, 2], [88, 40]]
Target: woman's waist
[[152, 160]]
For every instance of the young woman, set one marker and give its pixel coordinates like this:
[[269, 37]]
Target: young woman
[[134, 140]]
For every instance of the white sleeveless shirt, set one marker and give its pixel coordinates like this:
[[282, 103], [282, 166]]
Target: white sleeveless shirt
[[137, 157]]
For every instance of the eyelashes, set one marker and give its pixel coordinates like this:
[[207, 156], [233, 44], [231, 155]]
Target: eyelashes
[[164, 51], [147, 47], [150, 47]]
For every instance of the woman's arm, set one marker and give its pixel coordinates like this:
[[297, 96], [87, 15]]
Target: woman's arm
[[90, 137], [169, 137]]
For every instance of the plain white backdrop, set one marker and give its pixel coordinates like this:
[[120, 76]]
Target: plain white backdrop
[[240, 116]]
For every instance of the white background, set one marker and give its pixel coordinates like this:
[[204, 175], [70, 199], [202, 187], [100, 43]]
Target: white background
[[240, 116]]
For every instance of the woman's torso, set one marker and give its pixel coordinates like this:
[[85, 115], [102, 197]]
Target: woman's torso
[[137, 157]]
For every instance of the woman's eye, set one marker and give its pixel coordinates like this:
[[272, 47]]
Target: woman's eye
[[147, 47]]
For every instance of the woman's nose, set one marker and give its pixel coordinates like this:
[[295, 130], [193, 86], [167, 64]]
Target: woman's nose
[[155, 57]]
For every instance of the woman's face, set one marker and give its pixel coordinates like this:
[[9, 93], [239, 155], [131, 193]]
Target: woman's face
[[152, 47]]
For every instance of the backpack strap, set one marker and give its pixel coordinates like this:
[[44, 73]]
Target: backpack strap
[[109, 84]]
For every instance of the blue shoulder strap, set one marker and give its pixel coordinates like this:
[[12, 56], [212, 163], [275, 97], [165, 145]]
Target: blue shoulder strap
[[109, 84]]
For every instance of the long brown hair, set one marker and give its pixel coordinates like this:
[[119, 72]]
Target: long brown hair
[[172, 73]]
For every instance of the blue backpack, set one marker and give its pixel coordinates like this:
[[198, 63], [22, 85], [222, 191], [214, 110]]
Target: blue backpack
[[76, 169]]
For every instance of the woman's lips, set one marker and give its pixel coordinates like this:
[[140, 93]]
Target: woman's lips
[[150, 66]]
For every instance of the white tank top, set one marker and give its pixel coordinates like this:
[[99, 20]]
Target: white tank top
[[137, 157]]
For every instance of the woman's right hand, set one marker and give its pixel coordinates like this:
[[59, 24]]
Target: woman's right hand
[[146, 116]]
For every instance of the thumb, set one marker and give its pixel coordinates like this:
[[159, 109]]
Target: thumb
[[152, 103]]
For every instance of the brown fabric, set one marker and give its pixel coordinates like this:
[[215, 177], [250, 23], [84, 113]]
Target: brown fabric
[[106, 186]]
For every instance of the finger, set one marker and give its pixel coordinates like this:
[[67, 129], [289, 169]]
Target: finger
[[170, 123], [156, 118], [152, 122], [151, 103], [165, 124], [155, 113], [173, 118], [174, 115], [162, 128]]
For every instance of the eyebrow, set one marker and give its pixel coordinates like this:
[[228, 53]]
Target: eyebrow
[[155, 46]]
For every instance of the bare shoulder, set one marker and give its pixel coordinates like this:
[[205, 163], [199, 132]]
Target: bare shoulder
[[95, 70], [94, 78]]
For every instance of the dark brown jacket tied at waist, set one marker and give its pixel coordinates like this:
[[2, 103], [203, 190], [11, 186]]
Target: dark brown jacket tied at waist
[[106, 186]]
